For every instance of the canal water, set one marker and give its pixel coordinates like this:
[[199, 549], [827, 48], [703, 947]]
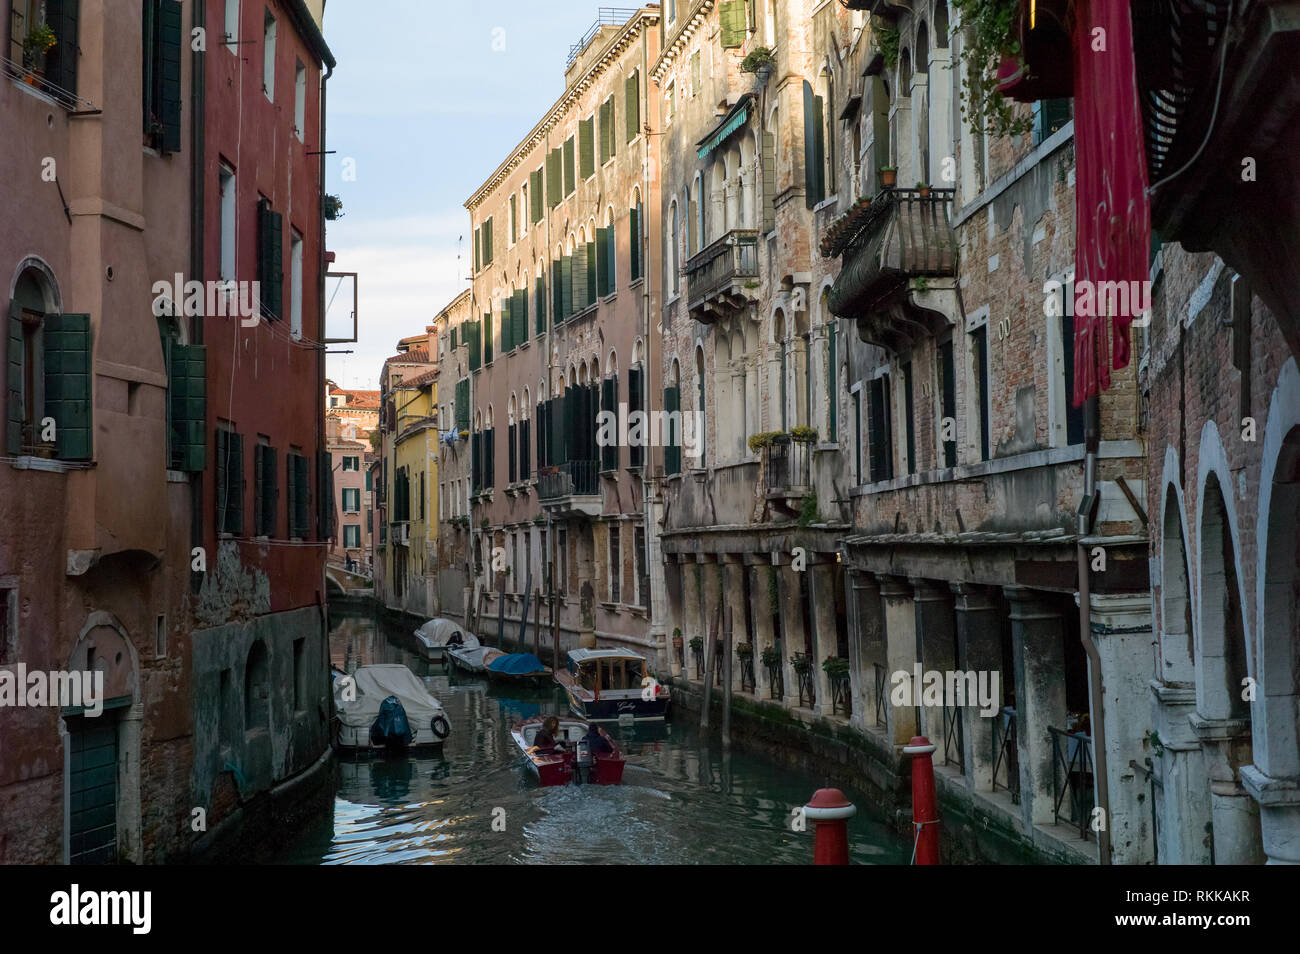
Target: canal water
[[684, 800]]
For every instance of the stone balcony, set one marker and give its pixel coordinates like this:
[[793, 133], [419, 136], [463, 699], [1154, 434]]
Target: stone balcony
[[903, 235], [571, 488], [723, 278]]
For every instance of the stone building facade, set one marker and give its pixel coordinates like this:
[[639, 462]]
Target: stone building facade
[[454, 570], [564, 290]]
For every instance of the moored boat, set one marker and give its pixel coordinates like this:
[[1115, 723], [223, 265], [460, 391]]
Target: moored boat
[[570, 760], [473, 658], [519, 668], [386, 707], [436, 636], [606, 685]]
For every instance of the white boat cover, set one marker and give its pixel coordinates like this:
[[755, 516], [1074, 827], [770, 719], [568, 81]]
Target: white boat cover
[[475, 657], [374, 685], [437, 631]]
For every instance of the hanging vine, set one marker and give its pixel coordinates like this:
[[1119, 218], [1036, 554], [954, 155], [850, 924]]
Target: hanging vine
[[989, 29]]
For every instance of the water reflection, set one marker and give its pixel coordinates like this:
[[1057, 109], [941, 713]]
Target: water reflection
[[684, 799]]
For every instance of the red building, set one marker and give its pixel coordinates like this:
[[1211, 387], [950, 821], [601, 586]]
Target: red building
[[263, 516]]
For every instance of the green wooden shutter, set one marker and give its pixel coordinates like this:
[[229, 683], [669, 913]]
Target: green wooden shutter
[[613, 135], [477, 256], [189, 407], [270, 249], [635, 402], [592, 290], [470, 331], [602, 264], [520, 312], [557, 297], [587, 147], [169, 58], [633, 108], [325, 529], [66, 341], [259, 479], [538, 200], [603, 133], [462, 404], [453, 339], [487, 337], [634, 241], [554, 192], [570, 179], [61, 62], [507, 324], [14, 381], [812, 147], [301, 496], [540, 316], [566, 286], [769, 182], [673, 439], [732, 17], [514, 218], [230, 482], [609, 402], [487, 241], [579, 278]]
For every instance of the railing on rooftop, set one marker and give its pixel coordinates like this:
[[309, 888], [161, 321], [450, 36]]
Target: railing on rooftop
[[605, 16]]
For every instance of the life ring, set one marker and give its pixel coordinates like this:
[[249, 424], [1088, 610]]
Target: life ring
[[444, 731]]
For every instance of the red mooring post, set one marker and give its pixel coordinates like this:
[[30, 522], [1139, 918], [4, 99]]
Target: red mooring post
[[830, 811], [925, 809]]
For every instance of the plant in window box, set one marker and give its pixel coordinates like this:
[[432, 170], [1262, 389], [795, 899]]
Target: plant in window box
[[38, 41], [835, 667], [765, 439], [801, 663], [803, 434], [677, 637], [744, 650], [760, 62], [770, 656], [697, 644], [888, 176]]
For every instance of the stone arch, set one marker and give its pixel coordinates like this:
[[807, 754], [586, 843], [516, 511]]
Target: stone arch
[[36, 270], [1177, 645], [257, 687], [1222, 662]]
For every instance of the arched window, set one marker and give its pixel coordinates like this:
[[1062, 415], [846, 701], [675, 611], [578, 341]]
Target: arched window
[[922, 48], [783, 371], [905, 73], [941, 24]]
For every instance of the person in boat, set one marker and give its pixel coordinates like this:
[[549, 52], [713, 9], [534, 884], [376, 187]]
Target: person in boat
[[597, 741], [546, 735]]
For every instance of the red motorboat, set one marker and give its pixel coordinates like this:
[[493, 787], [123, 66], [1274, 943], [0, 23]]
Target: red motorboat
[[569, 760]]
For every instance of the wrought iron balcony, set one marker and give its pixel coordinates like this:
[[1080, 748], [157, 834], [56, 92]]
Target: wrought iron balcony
[[904, 234], [787, 473], [1072, 775], [723, 278], [1005, 753], [571, 487]]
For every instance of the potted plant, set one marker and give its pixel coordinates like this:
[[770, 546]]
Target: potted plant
[[770, 656], [744, 650], [803, 434], [765, 439], [36, 44], [760, 62], [801, 663], [923, 188], [835, 667], [677, 637], [888, 176], [332, 206], [697, 644]]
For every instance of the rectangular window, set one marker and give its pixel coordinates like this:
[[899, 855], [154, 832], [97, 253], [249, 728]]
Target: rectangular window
[[268, 56], [270, 251], [633, 108], [350, 463], [298, 492], [979, 355], [230, 481], [1049, 116], [300, 100], [161, 74], [514, 225], [264, 492], [1068, 421], [642, 572], [947, 405], [880, 430], [351, 499], [232, 26], [295, 279], [226, 188], [351, 536], [857, 437], [615, 562], [8, 621], [487, 241], [733, 18], [607, 137], [909, 424], [562, 561], [696, 73]]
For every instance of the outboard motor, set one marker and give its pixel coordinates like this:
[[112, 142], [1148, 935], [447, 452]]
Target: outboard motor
[[391, 729], [584, 764]]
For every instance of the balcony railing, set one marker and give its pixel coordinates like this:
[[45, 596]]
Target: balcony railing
[[1072, 776], [953, 752], [717, 277], [787, 467], [882, 708], [904, 234], [574, 478], [803, 670]]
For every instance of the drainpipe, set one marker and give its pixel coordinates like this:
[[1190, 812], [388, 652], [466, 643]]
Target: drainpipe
[[197, 197], [1098, 693], [320, 362], [649, 495]]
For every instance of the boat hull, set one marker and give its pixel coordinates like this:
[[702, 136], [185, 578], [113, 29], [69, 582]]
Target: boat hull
[[615, 710], [566, 766]]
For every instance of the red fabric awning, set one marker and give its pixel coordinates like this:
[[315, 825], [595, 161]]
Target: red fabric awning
[[1112, 214]]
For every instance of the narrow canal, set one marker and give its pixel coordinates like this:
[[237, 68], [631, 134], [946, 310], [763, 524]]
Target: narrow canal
[[684, 800]]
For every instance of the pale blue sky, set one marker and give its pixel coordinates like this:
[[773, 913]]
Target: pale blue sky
[[428, 109]]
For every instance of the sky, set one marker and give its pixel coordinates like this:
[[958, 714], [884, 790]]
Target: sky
[[427, 99]]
